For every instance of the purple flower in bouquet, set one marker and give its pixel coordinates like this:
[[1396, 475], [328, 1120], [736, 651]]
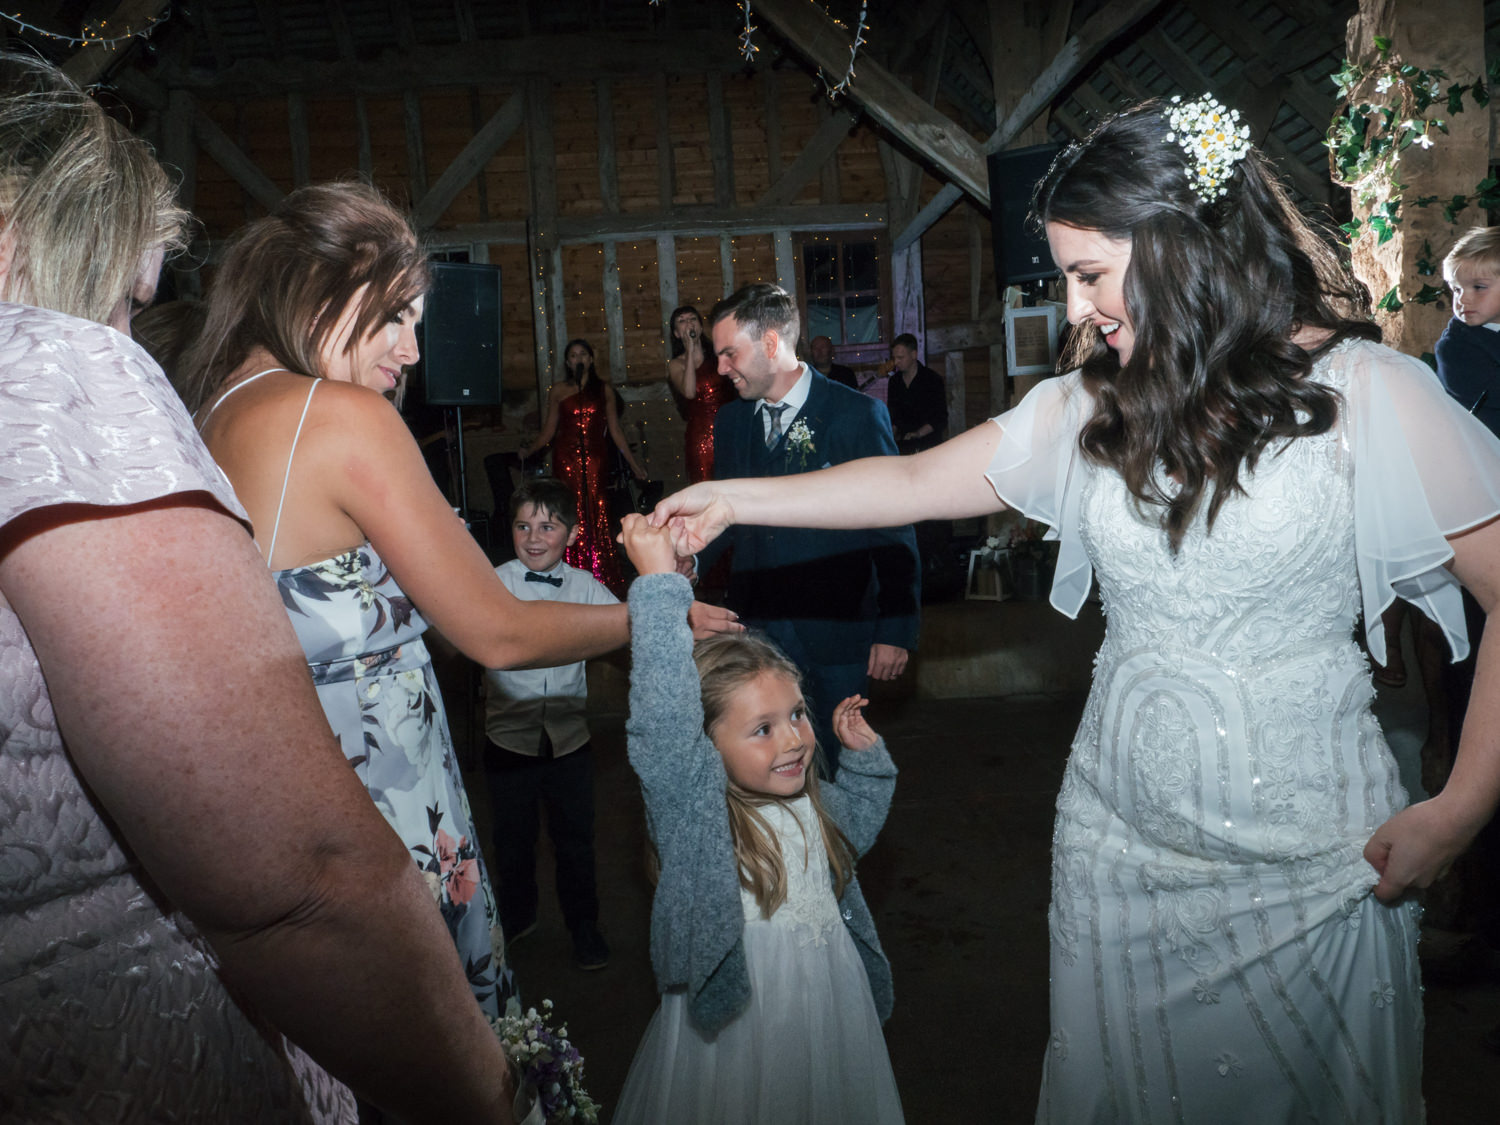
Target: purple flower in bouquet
[[548, 1064]]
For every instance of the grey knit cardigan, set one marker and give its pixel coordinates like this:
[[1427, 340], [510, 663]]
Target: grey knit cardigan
[[697, 922]]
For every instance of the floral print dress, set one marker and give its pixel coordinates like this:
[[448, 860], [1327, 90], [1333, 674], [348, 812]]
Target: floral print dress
[[363, 641]]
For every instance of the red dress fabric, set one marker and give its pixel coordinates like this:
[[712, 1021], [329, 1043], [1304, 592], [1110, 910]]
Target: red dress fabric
[[582, 454], [713, 391]]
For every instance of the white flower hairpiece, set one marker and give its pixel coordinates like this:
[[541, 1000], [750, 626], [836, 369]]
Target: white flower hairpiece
[[1213, 139]]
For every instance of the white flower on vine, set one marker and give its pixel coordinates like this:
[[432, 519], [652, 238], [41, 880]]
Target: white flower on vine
[[1425, 141], [1384, 84], [1435, 88]]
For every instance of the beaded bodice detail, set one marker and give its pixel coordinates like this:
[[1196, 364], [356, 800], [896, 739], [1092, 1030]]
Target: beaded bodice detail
[[810, 910], [1229, 720]]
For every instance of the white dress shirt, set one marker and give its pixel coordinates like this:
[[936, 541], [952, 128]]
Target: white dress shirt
[[795, 400], [520, 705]]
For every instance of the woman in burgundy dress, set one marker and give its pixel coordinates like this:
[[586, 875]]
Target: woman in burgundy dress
[[694, 374], [583, 420]]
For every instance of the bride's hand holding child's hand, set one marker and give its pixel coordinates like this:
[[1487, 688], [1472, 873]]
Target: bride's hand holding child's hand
[[650, 549], [849, 724], [697, 515]]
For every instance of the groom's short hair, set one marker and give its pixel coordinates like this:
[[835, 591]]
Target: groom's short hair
[[759, 308]]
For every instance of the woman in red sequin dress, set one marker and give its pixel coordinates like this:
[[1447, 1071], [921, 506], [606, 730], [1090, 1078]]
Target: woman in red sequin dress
[[583, 420], [694, 374]]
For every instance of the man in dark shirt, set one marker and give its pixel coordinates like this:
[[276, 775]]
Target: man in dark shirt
[[917, 399], [820, 354]]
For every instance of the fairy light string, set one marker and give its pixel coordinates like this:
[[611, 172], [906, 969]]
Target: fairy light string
[[91, 34], [747, 48], [859, 41]]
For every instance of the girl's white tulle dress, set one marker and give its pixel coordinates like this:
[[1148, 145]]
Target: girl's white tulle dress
[[808, 1048]]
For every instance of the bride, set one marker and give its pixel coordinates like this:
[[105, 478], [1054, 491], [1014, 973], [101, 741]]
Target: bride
[[1244, 470]]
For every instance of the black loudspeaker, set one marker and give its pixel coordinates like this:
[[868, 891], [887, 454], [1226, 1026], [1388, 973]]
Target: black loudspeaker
[[461, 335], [1019, 254]]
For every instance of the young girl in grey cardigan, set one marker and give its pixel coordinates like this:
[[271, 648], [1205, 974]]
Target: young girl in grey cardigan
[[773, 982]]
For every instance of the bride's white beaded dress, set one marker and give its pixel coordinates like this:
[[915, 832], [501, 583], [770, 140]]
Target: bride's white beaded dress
[[1217, 954]]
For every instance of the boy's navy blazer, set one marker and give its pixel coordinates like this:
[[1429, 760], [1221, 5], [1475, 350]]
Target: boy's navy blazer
[[841, 590], [1468, 358]]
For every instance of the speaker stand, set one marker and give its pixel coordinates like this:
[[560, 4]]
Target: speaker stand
[[462, 476]]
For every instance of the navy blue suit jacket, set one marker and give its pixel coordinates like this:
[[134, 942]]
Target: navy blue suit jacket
[[1468, 363], [841, 591]]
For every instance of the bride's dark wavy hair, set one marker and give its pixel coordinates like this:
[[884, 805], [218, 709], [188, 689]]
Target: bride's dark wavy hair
[[1215, 292]]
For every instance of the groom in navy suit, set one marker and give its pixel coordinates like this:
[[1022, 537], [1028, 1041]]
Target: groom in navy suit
[[843, 605]]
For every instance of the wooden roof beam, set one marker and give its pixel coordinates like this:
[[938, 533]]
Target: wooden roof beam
[[89, 62], [1101, 29], [490, 139], [229, 156], [820, 149], [1184, 71], [885, 97], [424, 67]]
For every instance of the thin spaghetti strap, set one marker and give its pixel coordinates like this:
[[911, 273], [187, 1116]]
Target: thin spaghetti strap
[[242, 383], [287, 476]]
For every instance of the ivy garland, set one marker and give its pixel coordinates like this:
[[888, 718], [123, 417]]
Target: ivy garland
[[1365, 139]]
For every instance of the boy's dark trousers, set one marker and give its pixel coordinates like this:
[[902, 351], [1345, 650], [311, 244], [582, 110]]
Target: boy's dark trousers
[[518, 785]]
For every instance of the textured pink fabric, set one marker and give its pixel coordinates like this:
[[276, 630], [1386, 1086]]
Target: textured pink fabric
[[110, 1006]]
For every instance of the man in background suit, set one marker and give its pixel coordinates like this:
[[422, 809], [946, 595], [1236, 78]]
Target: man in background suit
[[843, 605]]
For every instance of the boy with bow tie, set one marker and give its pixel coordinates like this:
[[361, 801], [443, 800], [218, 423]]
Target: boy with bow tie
[[538, 736]]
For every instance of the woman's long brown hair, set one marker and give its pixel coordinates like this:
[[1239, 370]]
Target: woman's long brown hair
[[1215, 292]]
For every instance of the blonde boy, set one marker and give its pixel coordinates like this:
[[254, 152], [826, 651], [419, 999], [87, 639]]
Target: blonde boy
[[1468, 353]]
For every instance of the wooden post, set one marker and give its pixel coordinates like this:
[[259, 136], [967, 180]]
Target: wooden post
[[786, 262], [953, 382], [666, 275], [296, 123], [614, 314], [726, 265], [609, 176], [416, 152], [1449, 35], [366, 156], [719, 143], [666, 178], [906, 290]]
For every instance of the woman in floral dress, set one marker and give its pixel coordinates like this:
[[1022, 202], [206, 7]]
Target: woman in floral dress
[[309, 325]]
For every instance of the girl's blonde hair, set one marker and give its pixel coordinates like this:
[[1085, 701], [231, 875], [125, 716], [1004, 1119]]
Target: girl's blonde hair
[[726, 662], [287, 278], [81, 199]]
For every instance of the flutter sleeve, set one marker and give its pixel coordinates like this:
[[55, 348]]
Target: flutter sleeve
[[1424, 469], [87, 418], [1037, 469]]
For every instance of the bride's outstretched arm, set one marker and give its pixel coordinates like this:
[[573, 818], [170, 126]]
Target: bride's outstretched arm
[[946, 482], [1420, 843]]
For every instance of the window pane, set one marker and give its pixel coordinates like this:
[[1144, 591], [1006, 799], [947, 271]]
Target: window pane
[[820, 269], [861, 320], [823, 319], [860, 271]]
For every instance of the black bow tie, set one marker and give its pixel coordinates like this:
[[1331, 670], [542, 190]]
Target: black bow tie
[[536, 576]]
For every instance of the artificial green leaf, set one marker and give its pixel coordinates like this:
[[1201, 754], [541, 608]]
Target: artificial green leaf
[[1430, 295], [1382, 44], [1391, 302]]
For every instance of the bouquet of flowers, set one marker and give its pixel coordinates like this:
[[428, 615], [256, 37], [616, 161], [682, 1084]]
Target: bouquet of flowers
[[548, 1065]]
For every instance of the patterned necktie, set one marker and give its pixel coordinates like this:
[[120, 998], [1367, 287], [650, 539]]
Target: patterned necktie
[[774, 434], [534, 576]]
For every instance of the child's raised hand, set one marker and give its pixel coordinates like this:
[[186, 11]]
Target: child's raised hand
[[650, 548], [849, 725]]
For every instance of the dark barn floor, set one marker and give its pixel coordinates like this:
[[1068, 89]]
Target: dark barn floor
[[958, 886]]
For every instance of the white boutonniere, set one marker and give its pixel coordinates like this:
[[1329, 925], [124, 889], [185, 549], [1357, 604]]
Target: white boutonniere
[[799, 440]]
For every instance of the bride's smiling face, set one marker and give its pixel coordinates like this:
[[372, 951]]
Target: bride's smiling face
[[1095, 264]]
